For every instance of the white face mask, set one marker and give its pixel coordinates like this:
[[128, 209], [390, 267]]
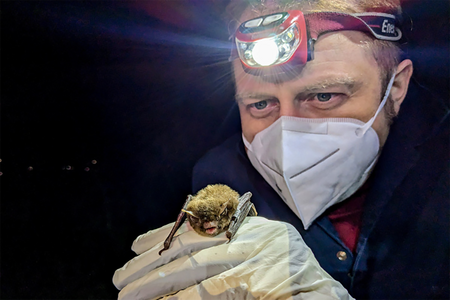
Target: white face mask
[[315, 163]]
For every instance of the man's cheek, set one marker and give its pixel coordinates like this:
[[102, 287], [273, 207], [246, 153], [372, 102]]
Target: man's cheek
[[247, 130], [246, 124]]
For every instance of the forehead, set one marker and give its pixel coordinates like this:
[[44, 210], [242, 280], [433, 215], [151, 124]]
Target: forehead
[[331, 46], [347, 45], [336, 54]]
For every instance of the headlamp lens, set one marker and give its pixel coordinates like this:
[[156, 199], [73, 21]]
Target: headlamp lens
[[269, 51], [265, 52], [288, 35]]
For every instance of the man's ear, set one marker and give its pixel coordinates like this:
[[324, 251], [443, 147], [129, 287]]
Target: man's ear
[[401, 82]]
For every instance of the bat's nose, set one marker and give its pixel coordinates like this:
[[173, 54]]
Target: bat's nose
[[210, 224]]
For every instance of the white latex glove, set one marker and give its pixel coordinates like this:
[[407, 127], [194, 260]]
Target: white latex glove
[[265, 260]]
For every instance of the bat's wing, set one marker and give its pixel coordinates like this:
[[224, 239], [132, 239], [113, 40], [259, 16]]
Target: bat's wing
[[245, 208], [180, 219]]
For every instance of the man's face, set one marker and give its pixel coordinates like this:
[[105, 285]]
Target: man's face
[[342, 81]]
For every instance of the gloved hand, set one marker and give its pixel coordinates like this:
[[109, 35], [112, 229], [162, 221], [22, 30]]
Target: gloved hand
[[265, 260]]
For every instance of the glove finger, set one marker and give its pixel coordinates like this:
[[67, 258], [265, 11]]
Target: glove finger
[[182, 245], [153, 237], [183, 272]]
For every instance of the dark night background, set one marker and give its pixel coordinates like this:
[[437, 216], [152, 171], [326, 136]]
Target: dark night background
[[105, 108]]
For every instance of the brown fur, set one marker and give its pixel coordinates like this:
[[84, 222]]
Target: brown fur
[[213, 206]]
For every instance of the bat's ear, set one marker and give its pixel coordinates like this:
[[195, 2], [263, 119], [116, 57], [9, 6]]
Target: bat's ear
[[189, 213], [223, 206]]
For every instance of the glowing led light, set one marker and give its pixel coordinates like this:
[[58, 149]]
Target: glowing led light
[[273, 50], [288, 36], [265, 52], [248, 54], [284, 49]]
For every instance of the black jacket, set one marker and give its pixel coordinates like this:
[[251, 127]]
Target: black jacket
[[403, 247]]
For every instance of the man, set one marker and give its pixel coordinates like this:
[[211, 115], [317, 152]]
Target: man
[[322, 149]]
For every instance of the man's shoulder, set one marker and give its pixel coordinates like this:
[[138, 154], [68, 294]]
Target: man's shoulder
[[227, 150]]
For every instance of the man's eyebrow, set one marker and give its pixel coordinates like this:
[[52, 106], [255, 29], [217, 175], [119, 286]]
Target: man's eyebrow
[[348, 82], [259, 96]]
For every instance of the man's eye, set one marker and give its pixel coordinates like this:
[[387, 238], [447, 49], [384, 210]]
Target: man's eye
[[263, 108], [260, 104], [324, 97]]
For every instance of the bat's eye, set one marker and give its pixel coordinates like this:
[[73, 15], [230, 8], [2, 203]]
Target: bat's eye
[[224, 212], [194, 219]]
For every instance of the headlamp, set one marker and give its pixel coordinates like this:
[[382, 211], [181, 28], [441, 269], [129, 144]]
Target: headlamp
[[272, 40], [288, 37]]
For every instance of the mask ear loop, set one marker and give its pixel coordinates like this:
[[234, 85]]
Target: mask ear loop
[[362, 130], [246, 143]]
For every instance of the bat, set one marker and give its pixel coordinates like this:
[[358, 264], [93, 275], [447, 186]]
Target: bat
[[213, 210], [210, 211]]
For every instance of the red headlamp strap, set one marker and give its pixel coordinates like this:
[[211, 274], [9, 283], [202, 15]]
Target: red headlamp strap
[[381, 25]]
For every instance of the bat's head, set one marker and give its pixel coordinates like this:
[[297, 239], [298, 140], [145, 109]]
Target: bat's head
[[211, 210]]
